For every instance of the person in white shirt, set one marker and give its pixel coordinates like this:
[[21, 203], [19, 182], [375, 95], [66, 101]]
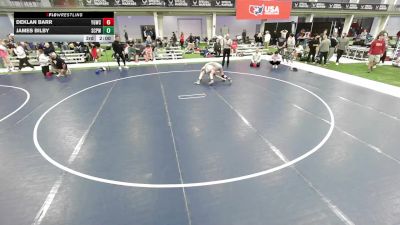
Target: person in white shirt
[[226, 52], [267, 38], [213, 68], [298, 52], [44, 62], [276, 59], [21, 55], [290, 50], [256, 59]]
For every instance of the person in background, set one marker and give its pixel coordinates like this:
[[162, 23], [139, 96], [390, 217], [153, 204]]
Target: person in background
[[290, 50], [376, 51], [324, 49], [226, 52], [217, 47], [59, 65], [244, 36], [64, 46], [312, 45], [256, 59], [126, 35], [343, 44], [118, 49], [363, 37], [234, 45], [274, 37], [148, 53], [11, 39], [131, 50], [48, 48], [260, 39], [256, 39], [267, 38], [93, 52], [21, 55], [276, 59], [332, 48], [44, 62], [281, 44], [386, 39], [5, 56], [138, 47], [298, 51], [191, 41], [148, 40], [174, 39], [182, 39]]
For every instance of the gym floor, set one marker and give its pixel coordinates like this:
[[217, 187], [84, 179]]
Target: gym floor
[[146, 146]]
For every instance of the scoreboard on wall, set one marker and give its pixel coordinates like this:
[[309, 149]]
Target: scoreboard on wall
[[64, 26]]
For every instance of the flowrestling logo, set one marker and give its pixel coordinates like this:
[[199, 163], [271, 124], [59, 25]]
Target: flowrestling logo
[[259, 10]]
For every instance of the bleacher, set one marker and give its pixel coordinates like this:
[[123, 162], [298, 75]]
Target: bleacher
[[169, 53], [68, 55], [246, 50], [242, 50]]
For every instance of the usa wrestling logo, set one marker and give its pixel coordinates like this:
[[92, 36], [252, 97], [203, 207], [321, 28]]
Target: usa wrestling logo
[[256, 10]]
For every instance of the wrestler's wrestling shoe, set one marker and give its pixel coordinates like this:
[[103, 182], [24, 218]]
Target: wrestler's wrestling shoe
[[197, 82], [211, 82]]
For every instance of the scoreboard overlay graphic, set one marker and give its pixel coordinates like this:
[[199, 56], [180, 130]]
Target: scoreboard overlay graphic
[[64, 26]]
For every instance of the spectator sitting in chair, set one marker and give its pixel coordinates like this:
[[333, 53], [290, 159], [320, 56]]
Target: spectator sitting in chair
[[298, 52], [217, 47], [190, 41], [138, 47], [256, 59], [148, 53], [148, 40]]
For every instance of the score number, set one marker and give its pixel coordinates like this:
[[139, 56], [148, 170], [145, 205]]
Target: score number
[[108, 25], [108, 21]]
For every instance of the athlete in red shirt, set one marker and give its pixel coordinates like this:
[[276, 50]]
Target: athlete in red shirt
[[376, 51]]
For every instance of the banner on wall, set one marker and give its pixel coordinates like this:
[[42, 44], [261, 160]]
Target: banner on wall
[[339, 6], [263, 9], [161, 3]]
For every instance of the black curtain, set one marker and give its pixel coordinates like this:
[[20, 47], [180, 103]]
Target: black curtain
[[270, 27], [285, 26], [305, 26], [319, 27]]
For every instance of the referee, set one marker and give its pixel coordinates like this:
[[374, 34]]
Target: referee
[[226, 52]]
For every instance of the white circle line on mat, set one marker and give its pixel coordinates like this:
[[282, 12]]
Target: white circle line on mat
[[184, 185], [28, 96]]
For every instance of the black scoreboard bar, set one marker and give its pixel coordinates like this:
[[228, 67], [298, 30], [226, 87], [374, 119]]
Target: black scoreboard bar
[[58, 26]]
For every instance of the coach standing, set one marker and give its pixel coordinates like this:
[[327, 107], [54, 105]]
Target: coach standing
[[226, 44]]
